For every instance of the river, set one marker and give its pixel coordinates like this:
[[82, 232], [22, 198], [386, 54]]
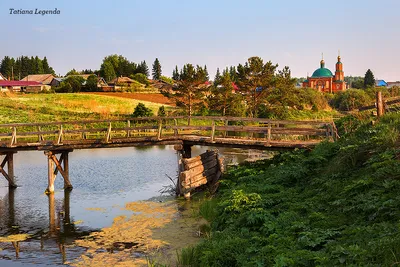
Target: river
[[105, 181]]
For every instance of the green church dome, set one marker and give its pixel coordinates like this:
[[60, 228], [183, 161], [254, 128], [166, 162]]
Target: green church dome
[[322, 72]]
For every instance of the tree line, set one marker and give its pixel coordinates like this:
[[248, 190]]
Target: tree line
[[18, 68], [255, 89]]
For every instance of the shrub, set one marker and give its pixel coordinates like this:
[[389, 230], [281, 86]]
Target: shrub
[[142, 111], [140, 77]]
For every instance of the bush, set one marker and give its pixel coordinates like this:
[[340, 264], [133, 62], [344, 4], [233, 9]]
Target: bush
[[142, 111], [161, 112], [351, 99], [167, 79], [140, 77]]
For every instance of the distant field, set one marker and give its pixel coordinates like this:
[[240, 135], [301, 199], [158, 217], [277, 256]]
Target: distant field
[[65, 107], [149, 97]]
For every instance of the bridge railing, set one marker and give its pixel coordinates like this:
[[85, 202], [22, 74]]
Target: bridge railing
[[158, 128]]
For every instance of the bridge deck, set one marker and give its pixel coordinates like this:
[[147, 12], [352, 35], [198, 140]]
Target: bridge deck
[[210, 131]]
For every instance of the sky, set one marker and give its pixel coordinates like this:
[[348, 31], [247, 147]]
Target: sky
[[216, 33]]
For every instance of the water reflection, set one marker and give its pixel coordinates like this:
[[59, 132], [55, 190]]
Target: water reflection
[[60, 232], [104, 181]]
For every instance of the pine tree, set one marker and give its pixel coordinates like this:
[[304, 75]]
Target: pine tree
[[207, 76], [142, 68], [188, 91], [38, 66], [6, 67], [156, 70], [175, 74], [369, 79], [217, 78]]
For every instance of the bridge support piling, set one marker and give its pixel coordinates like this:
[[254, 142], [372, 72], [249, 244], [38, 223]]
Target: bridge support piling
[[55, 166], [9, 175], [187, 151]]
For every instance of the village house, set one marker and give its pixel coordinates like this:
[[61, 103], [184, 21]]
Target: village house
[[22, 86], [392, 84], [40, 78], [381, 83]]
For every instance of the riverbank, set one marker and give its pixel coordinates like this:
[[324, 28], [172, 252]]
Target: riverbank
[[335, 205]]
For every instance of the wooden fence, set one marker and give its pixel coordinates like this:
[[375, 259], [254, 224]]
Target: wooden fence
[[77, 134]]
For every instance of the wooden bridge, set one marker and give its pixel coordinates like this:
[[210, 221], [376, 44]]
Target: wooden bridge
[[63, 137]]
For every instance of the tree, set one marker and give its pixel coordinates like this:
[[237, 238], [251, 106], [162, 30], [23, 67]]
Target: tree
[[75, 82], [156, 70], [207, 76], [142, 68], [107, 71], [255, 79], [217, 78], [369, 80], [6, 67], [46, 67], [283, 94], [142, 111], [91, 83], [38, 66], [161, 112], [72, 72], [140, 77], [223, 92], [175, 74], [188, 91]]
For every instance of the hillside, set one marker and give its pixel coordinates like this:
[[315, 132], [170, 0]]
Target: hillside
[[337, 205], [64, 107]]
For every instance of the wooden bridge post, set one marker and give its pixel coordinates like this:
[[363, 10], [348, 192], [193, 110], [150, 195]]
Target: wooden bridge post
[[9, 160], [51, 176], [67, 182], [52, 215], [187, 151], [52, 173]]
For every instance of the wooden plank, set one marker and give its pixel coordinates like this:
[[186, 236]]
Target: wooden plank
[[188, 185], [200, 157], [188, 166], [200, 169], [38, 133], [149, 119], [198, 128]]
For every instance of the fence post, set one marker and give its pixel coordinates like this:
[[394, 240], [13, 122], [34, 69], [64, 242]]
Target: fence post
[[159, 129], [176, 129], [379, 104], [14, 137], [108, 132], [128, 132], [60, 135], [213, 131], [269, 132]]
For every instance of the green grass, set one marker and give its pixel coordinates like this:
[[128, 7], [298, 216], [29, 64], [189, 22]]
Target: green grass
[[336, 205], [65, 107]]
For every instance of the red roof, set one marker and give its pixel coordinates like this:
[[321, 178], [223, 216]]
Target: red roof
[[19, 83]]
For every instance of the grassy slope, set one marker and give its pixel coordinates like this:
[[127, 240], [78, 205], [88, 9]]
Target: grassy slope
[[336, 205], [63, 107]]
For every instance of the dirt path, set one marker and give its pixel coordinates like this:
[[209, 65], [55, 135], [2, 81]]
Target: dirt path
[[150, 97]]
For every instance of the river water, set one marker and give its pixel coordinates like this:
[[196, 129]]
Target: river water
[[104, 181]]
